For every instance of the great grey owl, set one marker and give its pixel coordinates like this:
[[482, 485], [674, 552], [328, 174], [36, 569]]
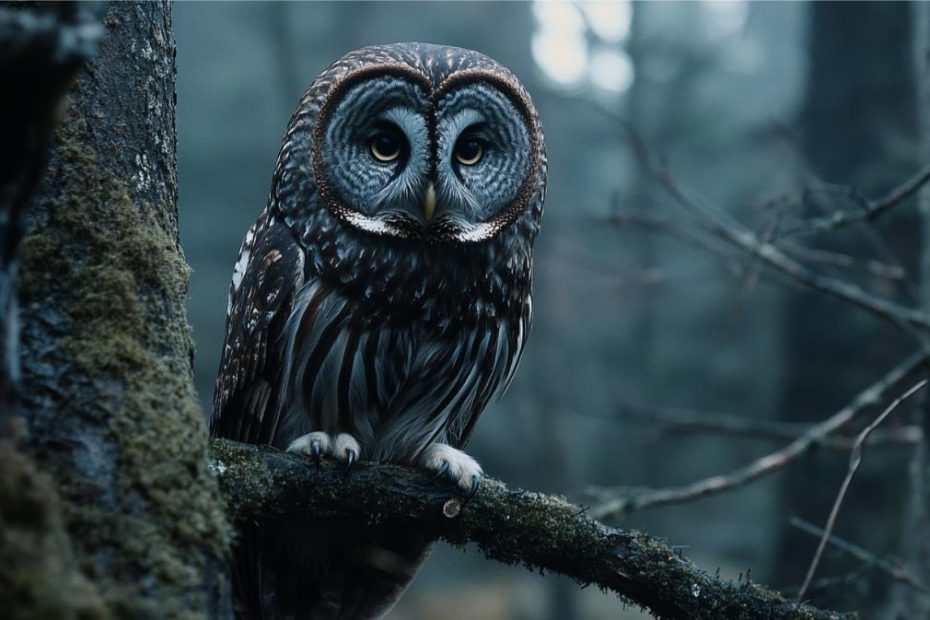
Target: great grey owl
[[379, 302]]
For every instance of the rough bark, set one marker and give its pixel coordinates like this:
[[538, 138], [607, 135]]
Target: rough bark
[[514, 527], [41, 48], [106, 346]]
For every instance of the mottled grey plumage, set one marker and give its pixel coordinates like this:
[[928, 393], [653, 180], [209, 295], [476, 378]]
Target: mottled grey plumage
[[361, 322]]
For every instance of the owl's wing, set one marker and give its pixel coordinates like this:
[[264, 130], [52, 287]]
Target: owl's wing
[[267, 275]]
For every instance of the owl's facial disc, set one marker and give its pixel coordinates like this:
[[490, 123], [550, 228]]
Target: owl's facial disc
[[375, 151], [397, 158], [483, 154]]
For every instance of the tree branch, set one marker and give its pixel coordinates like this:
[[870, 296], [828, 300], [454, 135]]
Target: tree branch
[[539, 531], [734, 234], [678, 422], [617, 502], [855, 459], [871, 210], [722, 227], [894, 569]]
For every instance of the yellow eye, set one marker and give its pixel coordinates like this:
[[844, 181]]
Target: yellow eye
[[469, 152], [386, 146]]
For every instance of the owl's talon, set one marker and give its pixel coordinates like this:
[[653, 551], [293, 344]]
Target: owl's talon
[[346, 449], [351, 457], [313, 445], [451, 463], [443, 469], [315, 450]]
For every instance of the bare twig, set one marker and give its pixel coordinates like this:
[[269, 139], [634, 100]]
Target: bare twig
[[618, 502], [680, 231], [724, 228], [843, 261], [683, 233], [895, 570], [753, 269], [681, 421], [871, 210], [539, 531], [730, 231], [855, 459]]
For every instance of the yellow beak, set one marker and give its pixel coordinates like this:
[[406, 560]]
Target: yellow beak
[[429, 201]]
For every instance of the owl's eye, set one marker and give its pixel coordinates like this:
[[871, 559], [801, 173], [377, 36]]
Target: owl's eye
[[469, 151], [386, 146]]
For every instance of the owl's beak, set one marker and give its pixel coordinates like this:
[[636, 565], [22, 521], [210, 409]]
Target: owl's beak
[[429, 201]]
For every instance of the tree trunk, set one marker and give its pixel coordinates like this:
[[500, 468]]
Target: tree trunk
[[41, 48], [107, 382], [40, 51]]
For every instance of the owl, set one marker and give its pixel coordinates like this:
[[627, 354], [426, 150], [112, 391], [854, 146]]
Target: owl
[[379, 303]]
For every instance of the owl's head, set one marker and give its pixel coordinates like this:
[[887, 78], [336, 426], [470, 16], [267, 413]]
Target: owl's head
[[412, 140]]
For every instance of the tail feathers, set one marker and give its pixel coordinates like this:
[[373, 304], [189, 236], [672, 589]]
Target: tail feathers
[[332, 572]]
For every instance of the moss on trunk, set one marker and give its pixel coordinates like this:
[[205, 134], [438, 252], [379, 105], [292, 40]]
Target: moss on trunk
[[107, 348]]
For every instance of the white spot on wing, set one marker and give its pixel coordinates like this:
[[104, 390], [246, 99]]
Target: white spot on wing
[[239, 269]]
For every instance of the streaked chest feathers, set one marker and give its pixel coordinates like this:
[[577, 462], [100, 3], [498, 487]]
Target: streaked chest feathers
[[395, 388]]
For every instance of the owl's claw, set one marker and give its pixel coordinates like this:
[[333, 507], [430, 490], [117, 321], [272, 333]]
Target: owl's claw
[[443, 469], [346, 449], [351, 457], [315, 449], [313, 445], [318, 444], [447, 462]]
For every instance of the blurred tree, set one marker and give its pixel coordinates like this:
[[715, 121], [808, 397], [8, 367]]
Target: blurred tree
[[856, 128], [907, 603]]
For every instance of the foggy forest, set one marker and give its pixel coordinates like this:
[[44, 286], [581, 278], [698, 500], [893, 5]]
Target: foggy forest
[[720, 410]]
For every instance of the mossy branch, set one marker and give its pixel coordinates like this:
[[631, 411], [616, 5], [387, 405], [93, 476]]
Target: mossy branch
[[542, 532]]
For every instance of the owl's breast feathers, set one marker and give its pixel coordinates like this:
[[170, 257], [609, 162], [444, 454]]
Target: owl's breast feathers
[[407, 351]]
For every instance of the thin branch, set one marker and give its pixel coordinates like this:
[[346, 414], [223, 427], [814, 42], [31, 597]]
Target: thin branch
[[843, 261], [539, 531], [871, 210], [895, 570], [679, 231], [725, 228], [855, 459], [682, 421], [618, 502]]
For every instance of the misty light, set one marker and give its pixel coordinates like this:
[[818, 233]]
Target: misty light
[[610, 21], [563, 50], [611, 70], [724, 18], [559, 46]]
